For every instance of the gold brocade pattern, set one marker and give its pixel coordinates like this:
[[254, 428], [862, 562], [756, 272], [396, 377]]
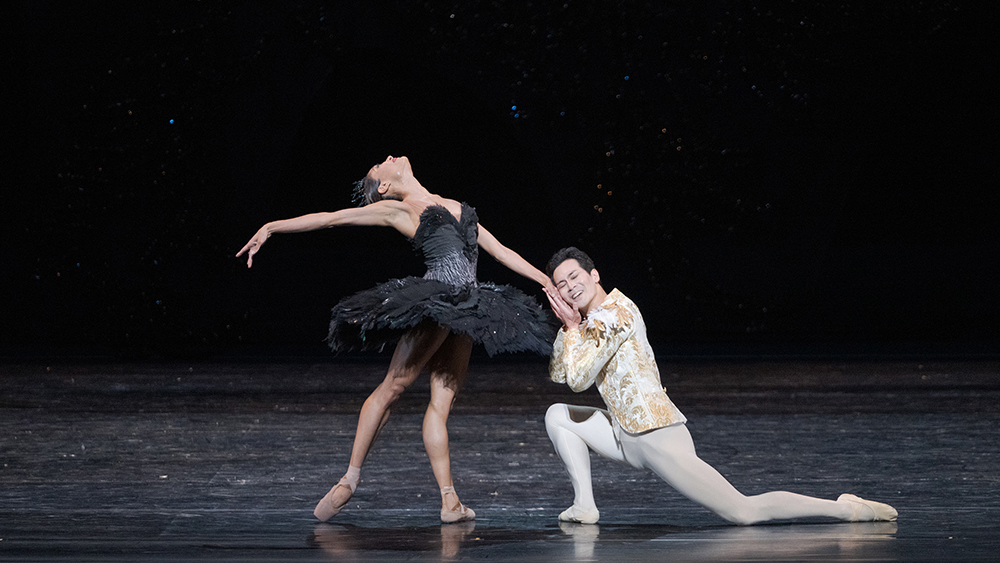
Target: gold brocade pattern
[[611, 350]]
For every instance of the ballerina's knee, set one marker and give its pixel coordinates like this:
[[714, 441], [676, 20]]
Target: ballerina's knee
[[388, 391]]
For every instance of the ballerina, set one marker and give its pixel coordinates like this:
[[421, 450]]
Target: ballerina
[[434, 320]]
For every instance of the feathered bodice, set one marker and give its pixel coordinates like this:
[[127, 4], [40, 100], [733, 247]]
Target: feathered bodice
[[500, 317], [449, 246]]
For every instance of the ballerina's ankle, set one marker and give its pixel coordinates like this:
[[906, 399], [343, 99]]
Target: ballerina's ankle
[[461, 513], [352, 477]]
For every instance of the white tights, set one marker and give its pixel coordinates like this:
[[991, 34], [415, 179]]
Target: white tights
[[668, 452]]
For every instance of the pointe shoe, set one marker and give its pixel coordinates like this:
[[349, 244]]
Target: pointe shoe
[[326, 509], [868, 510], [460, 514], [580, 515]]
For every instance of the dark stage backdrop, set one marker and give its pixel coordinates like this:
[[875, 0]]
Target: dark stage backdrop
[[760, 177]]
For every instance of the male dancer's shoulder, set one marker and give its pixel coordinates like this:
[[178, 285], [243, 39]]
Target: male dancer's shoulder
[[614, 317]]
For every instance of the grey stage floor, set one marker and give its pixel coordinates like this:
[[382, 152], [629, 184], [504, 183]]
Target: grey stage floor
[[226, 461]]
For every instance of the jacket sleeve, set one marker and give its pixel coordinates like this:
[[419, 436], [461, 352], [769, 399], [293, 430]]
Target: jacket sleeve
[[578, 356]]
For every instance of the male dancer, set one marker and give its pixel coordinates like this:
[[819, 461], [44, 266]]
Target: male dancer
[[603, 342]]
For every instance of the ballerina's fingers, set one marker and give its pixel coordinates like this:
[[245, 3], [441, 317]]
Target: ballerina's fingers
[[251, 248], [566, 313]]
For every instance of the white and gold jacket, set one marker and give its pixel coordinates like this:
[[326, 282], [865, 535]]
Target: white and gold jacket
[[610, 348]]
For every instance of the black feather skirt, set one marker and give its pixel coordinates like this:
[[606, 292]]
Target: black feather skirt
[[500, 317]]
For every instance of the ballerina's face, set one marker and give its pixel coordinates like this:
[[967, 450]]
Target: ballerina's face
[[392, 168]]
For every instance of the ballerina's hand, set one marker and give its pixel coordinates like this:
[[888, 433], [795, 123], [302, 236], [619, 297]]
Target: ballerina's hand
[[253, 246], [550, 287], [567, 313]]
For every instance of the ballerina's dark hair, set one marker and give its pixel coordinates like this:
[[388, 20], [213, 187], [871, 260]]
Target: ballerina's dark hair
[[366, 191]]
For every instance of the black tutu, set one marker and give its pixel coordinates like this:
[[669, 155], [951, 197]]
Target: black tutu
[[500, 317]]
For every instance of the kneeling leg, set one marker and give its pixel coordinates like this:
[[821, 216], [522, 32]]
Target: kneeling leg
[[574, 431]]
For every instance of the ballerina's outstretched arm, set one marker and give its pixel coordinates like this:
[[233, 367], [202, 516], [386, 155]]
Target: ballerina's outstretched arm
[[509, 258], [387, 213]]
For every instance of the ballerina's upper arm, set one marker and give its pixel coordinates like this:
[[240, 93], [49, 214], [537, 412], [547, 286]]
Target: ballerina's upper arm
[[385, 213]]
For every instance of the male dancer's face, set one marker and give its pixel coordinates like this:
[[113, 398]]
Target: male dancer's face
[[577, 286]]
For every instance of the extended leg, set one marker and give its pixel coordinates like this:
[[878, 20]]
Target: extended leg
[[670, 453], [412, 353], [448, 367], [574, 431]]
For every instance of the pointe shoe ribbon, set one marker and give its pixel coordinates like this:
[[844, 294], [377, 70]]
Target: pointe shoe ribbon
[[863, 510], [326, 509], [460, 514]]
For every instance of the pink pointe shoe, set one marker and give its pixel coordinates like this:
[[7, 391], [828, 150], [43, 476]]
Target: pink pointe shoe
[[326, 509], [461, 513]]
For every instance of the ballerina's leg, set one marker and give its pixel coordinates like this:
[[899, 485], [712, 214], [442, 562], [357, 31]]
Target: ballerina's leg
[[412, 353], [448, 368]]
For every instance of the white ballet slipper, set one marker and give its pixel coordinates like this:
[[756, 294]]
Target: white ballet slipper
[[868, 510], [577, 514]]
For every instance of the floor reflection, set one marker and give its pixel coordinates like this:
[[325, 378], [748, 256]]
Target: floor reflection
[[584, 539], [582, 542], [861, 540], [349, 543]]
